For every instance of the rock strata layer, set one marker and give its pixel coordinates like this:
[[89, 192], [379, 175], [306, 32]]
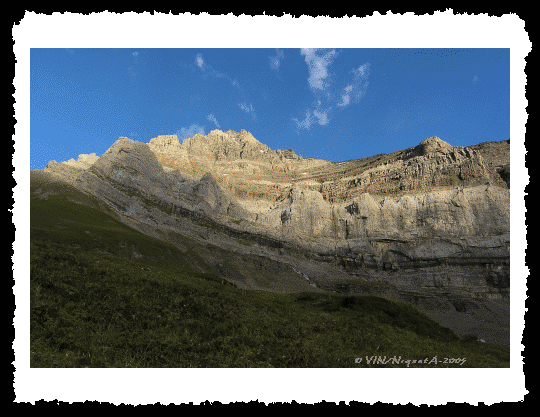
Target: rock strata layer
[[432, 220]]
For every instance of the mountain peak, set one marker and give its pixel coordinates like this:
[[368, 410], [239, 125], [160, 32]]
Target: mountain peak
[[433, 144], [242, 136], [248, 137]]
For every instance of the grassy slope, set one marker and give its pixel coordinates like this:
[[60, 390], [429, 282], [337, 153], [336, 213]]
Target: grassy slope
[[105, 295]]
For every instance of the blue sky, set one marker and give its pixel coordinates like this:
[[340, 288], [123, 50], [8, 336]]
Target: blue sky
[[334, 104]]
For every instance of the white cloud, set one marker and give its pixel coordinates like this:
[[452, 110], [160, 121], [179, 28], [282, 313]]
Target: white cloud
[[189, 132], [317, 65], [319, 116], [345, 96], [361, 70], [322, 116], [213, 119], [475, 79], [345, 99], [328, 97], [200, 61], [306, 123], [249, 109], [360, 82], [355, 90], [135, 53]]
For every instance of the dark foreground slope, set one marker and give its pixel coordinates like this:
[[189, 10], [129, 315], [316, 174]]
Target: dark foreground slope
[[106, 295]]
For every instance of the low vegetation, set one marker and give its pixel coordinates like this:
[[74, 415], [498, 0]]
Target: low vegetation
[[105, 295]]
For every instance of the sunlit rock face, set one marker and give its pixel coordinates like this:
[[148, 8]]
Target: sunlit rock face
[[431, 191]]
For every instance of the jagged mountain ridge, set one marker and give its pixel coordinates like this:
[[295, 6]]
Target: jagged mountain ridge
[[431, 190], [375, 219], [251, 170]]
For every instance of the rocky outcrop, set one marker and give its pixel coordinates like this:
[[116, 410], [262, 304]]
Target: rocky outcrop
[[130, 165], [237, 160], [83, 161], [504, 173], [253, 171], [302, 212], [213, 200], [432, 145], [430, 166], [129, 176], [496, 155], [203, 152], [452, 213]]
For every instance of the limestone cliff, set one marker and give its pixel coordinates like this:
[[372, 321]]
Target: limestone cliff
[[431, 221], [431, 191], [229, 150]]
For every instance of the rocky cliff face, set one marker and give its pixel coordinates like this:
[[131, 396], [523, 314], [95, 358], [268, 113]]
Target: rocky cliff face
[[431, 221], [430, 192], [432, 165], [226, 150]]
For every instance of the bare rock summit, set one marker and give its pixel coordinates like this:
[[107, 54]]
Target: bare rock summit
[[434, 144]]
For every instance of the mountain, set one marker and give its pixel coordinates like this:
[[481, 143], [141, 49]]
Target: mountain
[[428, 225]]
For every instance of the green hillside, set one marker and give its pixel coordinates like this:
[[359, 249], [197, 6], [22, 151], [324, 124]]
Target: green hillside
[[105, 295]]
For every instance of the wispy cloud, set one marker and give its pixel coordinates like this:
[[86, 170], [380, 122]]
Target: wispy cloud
[[132, 70], [360, 82], [275, 60], [319, 116], [318, 63], [345, 100], [354, 91], [475, 79], [345, 96], [213, 119], [248, 108], [210, 71], [189, 132], [328, 97], [322, 116], [200, 61], [306, 123]]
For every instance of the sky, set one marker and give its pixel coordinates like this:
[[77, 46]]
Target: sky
[[331, 103]]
